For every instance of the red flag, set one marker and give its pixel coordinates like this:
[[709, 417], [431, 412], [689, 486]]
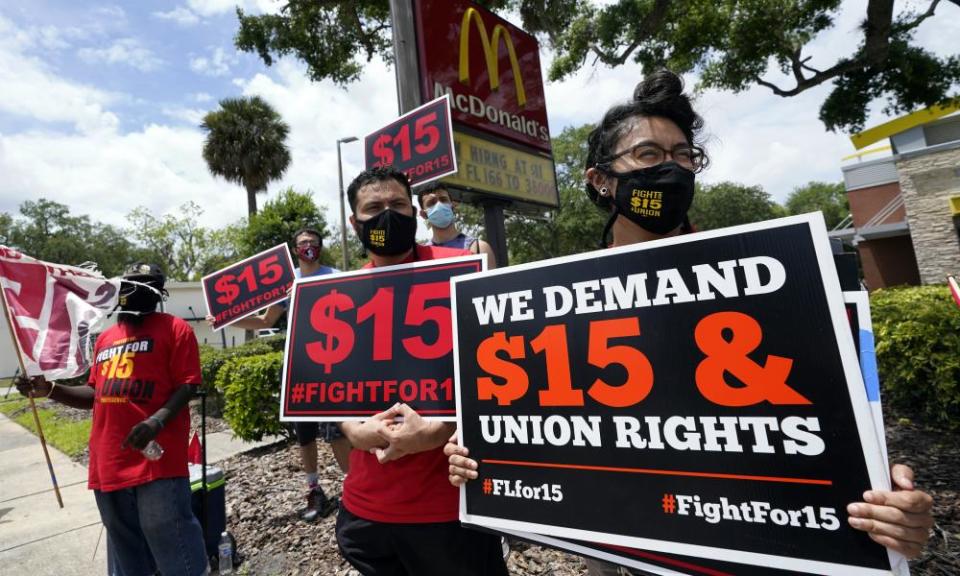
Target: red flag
[[954, 288], [53, 309], [194, 451]]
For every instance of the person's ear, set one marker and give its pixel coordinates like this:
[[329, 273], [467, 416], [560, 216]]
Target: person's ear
[[423, 214], [603, 183]]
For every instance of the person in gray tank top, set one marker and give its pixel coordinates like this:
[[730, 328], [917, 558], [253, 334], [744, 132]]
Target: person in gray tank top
[[439, 210]]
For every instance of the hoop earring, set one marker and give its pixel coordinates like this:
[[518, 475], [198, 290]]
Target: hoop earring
[[604, 191]]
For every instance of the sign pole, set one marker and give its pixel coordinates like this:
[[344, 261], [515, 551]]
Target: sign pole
[[405, 55], [33, 405], [496, 232]]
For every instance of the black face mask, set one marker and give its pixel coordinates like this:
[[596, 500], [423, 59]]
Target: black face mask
[[656, 199], [388, 233], [137, 299]]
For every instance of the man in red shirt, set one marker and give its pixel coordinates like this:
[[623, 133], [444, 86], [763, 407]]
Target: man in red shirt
[[399, 514], [143, 374]]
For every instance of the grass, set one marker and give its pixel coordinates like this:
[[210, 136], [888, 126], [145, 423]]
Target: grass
[[68, 436]]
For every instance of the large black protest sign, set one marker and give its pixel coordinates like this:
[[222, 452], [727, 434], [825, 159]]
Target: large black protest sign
[[698, 395], [647, 562], [359, 342]]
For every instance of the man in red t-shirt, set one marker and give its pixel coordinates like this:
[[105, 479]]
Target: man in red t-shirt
[[143, 374], [399, 515]]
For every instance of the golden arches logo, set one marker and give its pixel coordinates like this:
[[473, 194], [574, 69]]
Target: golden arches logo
[[491, 47]]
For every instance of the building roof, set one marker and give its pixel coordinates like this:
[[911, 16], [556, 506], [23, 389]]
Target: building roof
[[902, 124]]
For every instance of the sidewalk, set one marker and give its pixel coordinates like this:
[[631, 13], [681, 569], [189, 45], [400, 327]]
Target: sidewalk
[[37, 538]]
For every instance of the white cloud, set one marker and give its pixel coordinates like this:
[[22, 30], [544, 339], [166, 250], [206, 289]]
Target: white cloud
[[217, 7], [31, 89], [106, 175], [180, 15], [192, 116], [128, 51], [218, 63], [318, 114], [196, 10], [202, 97], [214, 7]]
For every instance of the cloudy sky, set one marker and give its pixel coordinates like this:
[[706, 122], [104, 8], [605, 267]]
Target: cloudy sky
[[100, 104]]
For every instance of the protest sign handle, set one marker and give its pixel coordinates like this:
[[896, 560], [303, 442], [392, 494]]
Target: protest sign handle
[[33, 406]]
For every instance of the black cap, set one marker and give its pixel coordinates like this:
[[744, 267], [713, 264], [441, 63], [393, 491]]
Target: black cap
[[144, 271]]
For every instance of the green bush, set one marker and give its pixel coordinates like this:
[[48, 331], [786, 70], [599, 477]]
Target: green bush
[[917, 333], [251, 392], [212, 359]]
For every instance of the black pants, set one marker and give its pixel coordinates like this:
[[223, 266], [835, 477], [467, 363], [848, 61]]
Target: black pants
[[436, 549]]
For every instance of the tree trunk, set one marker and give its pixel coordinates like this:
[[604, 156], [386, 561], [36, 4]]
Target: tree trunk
[[251, 202]]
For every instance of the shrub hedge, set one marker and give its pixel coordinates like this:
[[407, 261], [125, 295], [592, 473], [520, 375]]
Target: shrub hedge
[[917, 332], [213, 359], [251, 393]]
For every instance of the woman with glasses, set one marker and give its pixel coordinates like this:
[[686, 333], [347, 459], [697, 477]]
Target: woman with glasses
[[641, 165]]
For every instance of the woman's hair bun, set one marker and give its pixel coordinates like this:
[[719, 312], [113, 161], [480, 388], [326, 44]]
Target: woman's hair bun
[[661, 84]]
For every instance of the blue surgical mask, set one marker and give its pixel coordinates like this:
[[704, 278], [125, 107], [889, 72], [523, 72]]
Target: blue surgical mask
[[440, 215]]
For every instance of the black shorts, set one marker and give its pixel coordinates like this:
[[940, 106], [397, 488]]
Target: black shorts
[[434, 549], [307, 432]]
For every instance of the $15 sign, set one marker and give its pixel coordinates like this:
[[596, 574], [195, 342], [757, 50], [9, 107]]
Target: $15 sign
[[249, 285], [355, 336], [419, 143]]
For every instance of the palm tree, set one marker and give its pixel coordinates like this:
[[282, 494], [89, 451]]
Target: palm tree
[[246, 144]]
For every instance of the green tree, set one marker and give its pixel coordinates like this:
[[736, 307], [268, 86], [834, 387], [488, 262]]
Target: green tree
[[332, 254], [6, 228], [829, 198], [279, 221], [46, 230], [732, 44], [246, 144], [728, 204], [178, 244]]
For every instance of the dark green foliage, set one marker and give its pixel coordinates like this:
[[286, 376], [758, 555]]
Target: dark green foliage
[[917, 333], [731, 44], [279, 220], [829, 198], [46, 230], [332, 254], [728, 204], [333, 38], [178, 244], [246, 144], [251, 391], [213, 359]]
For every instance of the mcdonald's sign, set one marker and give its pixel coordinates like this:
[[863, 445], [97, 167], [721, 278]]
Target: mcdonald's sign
[[488, 67]]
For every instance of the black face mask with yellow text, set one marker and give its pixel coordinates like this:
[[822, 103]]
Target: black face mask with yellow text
[[388, 233], [656, 199]]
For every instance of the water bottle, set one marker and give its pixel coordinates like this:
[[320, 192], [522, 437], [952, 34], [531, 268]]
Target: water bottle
[[225, 551], [152, 451]]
